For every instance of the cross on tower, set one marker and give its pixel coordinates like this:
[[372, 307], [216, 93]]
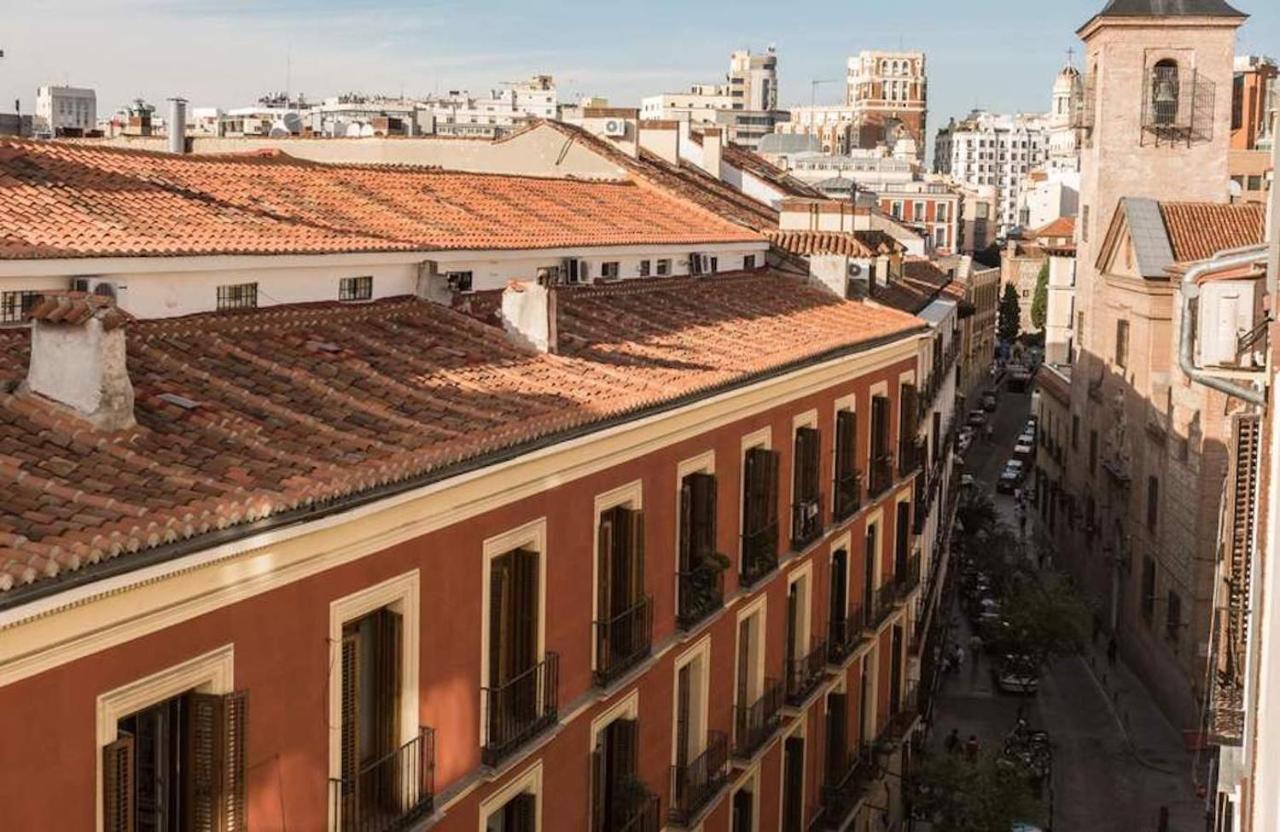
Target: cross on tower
[[1071, 56]]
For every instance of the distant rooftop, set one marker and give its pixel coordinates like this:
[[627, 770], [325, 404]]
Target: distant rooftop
[[1170, 8]]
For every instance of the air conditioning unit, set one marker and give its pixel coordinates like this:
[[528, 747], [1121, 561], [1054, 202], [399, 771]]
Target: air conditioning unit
[[105, 287], [855, 269], [615, 128]]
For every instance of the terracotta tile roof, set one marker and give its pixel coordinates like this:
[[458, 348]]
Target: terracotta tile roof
[[77, 307], [1061, 227], [292, 407], [67, 200], [1199, 230], [921, 283], [744, 159], [849, 243]]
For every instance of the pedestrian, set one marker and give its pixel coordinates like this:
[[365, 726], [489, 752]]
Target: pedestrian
[[1017, 497], [971, 748], [1112, 647], [1022, 522], [990, 431], [957, 656], [952, 742]]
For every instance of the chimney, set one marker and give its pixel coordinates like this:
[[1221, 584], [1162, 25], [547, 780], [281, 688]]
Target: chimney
[[78, 358], [529, 315], [661, 138], [712, 137], [178, 125]]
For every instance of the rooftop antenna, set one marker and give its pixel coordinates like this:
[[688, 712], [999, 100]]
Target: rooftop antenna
[[288, 75], [1071, 56]]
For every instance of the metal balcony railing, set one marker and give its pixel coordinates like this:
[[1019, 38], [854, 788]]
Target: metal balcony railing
[[907, 578], [695, 784], [639, 813], [520, 709], [701, 593], [623, 641], [844, 635], [759, 554], [389, 793], [848, 495], [806, 522], [805, 673], [842, 795], [881, 475], [880, 605], [910, 457], [903, 713], [754, 724]]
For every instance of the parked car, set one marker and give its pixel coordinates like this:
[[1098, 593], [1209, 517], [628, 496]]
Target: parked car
[[1024, 450], [977, 418], [1016, 674], [1010, 477], [990, 401]]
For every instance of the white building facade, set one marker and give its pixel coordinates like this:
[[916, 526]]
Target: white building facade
[[61, 108], [997, 150]]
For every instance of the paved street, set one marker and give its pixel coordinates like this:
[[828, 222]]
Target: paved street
[[1116, 759]]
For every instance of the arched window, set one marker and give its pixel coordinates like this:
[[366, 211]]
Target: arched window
[[1164, 92]]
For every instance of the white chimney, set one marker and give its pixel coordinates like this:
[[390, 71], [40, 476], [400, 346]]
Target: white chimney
[[78, 358], [661, 138], [178, 125], [529, 315], [712, 138]]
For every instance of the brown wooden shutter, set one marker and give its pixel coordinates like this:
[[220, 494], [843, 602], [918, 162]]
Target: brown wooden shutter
[[526, 610], [118, 785], [771, 485], [684, 693], [793, 646], [744, 660], [879, 426], [793, 785], [636, 576], [202, 762], [687, 525], [605, 540], [837, 735], [624, 742], [499, 619], [751, 487], [704, 493], [235, 723], [846, 437], [351, 661], [599, 777], [387, 671]]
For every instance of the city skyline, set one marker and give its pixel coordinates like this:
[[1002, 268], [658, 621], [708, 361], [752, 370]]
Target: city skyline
[[378, 47]]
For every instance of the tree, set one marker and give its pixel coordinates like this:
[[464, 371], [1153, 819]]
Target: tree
[[1009, 325], [1040, 301], [957, 795], [1045, 618]]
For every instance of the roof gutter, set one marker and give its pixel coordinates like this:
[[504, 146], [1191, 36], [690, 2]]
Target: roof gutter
[[1191, 291], [126, 563]]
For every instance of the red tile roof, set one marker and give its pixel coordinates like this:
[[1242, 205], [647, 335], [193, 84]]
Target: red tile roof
[[293, 406], [851, 244], [921, 283], [1061, 227], [68, 200], [752, 162], [1199, 230]]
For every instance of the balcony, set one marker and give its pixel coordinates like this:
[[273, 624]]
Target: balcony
[[639, 811], [623, 642], [841, 797], [843, 637], [759, 554], [754, 724], [881, 475], [701, 593], [910, 458], [695, 784], [907, 578], [880, 606], [848, 495], [389, 794], [806, 673], [806, 522], [903, 714], [520, 710]]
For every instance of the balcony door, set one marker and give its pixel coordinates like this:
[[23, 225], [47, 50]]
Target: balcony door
[[517, 815], [839, 605], [793, 785], [869, 574], [622, 634], [371, 684], [902, 547], [613, 773], [837, 735], [513, 641]]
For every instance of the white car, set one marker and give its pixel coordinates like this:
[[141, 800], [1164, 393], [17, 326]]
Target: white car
[[1023, 448]]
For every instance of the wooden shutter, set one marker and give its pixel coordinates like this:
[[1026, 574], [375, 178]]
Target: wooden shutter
[[908, 408], [684, 693], [202, 761], [704, 511], [687, 525], [518, 813], [387, 679], [599, 777], [351, 661], [744, 660], [623, 744], [525, 610], [499, 619], [742, 806], [879, 426], [846, 439], [837, 735], [635, 577], [793, 625], [793, 785], [235, 722], [808, 450], [839, 588], [771, 486], [605, 543], [118, 785], [751, 488]]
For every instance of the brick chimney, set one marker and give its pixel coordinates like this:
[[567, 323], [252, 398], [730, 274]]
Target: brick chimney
[[78, 358], [712, 140], [529, 315]]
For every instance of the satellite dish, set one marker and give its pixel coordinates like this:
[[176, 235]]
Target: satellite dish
[[278, 131], [292, 122], [353, 130], [366, 131]]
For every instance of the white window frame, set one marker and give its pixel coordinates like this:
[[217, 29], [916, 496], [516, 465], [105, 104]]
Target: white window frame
[[807, 419], [703, 463], [804, 627], [755, 682], [212, 672], [701, 653], [532, 535], [630, 495], [529, 781], [403, 595], [875, 518], [750, 780]]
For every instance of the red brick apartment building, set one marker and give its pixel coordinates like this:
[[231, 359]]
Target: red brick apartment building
[[638, 556]]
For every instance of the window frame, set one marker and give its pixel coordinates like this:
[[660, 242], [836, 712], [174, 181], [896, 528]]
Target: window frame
[[16, 305], [355, 289], [229, 296], [629, 495], [528, 782], [700, 652]]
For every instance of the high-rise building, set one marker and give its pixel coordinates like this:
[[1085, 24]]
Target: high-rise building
[[745, 105], [59, 109], [889, 95], [997, 150]]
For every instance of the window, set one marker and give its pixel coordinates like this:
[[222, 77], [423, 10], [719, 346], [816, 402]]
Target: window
[[881, 457], [871, 575], [757, 700], [664, 267], [701, 585], [759, 514], [1084, 224], [1153, 502], [908, 456], [1173, 618], [1164, 92], [917, 212], [16, 306], [624, 614], [618, 798], [805, 668], [847, 476], [355, 288], [461, 281], [896, 209], [806, 506], [1080, 328], [238, 296], [793, 784], [609, 271], [1148, 589], [645, 267], [837, 739], [744, 808], [749, 262], [1122, 344], [699, 756], [518, 807], [714, 265]]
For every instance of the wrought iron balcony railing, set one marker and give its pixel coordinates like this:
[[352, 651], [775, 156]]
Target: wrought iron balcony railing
[[623, 641], [636, 811], [844, 635], [701, 593], [520, 709], [848, 495], [695, 784], [881, 475], [805, 673], [907, 576], [389, 793], [880, 605], [753, 724], [842, 794], [806, 522], [759, 554]]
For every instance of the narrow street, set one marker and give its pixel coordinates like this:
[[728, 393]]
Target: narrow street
[[1116, 759]]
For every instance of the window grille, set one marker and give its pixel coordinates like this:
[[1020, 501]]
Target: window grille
[[238, 296], [355, 288]]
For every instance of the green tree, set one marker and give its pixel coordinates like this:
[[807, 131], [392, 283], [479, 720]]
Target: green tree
[[1040, 301], [1009, 325], [957, 795], [1045, 618]]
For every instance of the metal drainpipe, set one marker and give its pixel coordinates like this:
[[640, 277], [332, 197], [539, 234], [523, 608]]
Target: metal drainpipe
[[1190, 291]]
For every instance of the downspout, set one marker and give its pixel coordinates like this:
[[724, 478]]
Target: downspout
[[1190, 291]]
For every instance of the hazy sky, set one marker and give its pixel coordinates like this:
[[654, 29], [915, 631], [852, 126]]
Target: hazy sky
[[997, 54]]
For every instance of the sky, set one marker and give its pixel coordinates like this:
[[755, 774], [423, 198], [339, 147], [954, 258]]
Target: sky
[[1000, 55]]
